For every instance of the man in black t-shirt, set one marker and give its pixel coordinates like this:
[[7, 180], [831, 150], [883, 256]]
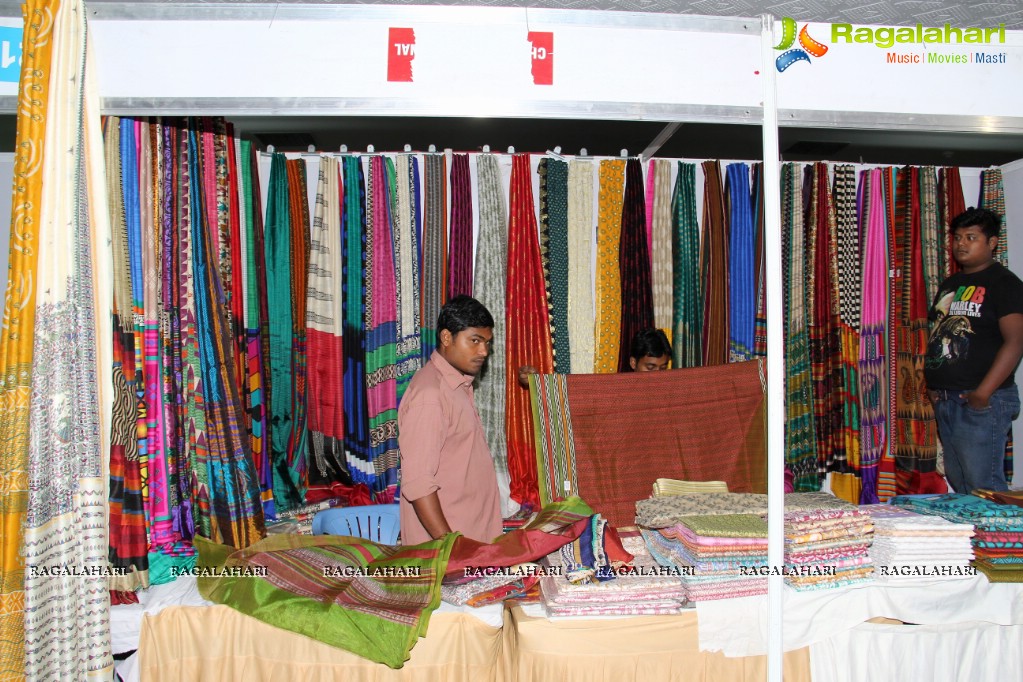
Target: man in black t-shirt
[[974, 349]]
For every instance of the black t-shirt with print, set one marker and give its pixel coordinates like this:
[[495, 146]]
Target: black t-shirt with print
[[964, 318]]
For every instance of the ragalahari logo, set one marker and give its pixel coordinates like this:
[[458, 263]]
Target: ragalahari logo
[[808, 46]]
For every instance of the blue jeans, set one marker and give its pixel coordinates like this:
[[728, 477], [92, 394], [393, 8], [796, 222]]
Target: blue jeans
[[974, 440]]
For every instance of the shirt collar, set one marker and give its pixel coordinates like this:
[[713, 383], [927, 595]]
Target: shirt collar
[[452, 377]]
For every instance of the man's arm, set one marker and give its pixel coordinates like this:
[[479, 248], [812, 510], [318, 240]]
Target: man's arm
[[431, 515], [1011, 327]]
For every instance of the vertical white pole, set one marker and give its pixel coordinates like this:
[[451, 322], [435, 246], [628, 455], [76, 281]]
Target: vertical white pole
[[775, 354]]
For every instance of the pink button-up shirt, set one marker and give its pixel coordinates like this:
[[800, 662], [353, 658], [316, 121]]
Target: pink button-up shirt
[[444, 450]]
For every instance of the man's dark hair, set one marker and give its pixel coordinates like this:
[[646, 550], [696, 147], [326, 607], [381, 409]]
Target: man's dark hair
[[462, 312], [987, 220], [649, 342]]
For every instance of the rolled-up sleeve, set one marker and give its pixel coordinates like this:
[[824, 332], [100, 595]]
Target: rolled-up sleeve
[[420, 439]]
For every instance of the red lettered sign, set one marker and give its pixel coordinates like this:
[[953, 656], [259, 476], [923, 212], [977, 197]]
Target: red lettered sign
[[401, 50], [543, 57]]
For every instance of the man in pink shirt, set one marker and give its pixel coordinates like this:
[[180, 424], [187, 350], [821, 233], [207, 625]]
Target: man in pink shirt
[[448, 481]]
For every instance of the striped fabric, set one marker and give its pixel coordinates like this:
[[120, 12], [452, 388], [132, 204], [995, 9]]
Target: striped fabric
[[489, 289], [932, 234], [608, 292], [460, 252], [326, 397], [634, 264], [800, 452], [552, 435], [433, 288], [528, 330], [660, 244], [992, 197], [405, 232], [380, 320], [580, 274], [759, 265], [714, 267], [687, 297], [554, 247], [950, 204], [886, 479], [54, 416], [742, 291], [298, 200], [873, 336]]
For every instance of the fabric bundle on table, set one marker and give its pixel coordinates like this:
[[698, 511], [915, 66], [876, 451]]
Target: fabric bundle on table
[[713, 554], [672, 486], [667, 510], [909, 546], [998, 541], [642, 589], [512, 583], [827, 548]]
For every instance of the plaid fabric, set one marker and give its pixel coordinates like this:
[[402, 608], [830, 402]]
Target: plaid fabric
[[687, 314], [552, 434], [847, 457], [742, 290]]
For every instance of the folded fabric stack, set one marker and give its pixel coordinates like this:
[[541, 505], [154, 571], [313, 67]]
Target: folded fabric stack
[[909, 546], [511, 583], [827, 548], [673, 486], [716, 555], [639, 589], [998, 537], [667, 510]]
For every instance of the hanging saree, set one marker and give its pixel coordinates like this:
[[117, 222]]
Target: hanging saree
[[873, 366], [256, 325], [915, 430], [845, 482], [278, 256], [489, 289], [554, 249], [950, 204], [298, 210], [129, 545], [687, 297], [353, 331], [742, 292], [580, 274], [380, 320], [634, 263], [886, 483], [65, 631], [932, 234], [460, 253], [528, 329], [760, 322], [608, 292], [405, 224], [433, 288], [800, 452], [714, 267], [660, 243], [325, 385]]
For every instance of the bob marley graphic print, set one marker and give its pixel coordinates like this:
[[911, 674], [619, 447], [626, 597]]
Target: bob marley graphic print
[[964, 318]]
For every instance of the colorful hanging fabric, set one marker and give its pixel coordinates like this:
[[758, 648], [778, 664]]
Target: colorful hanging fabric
[[528, 329], [278, 284], [353, 332], [992, 197], [433, 289], [298, 211], [608, 292], [580, 273], [886, 483], [800, 452], [760, 322], [460, 253], [915, 431], [742, 291], [380, 320], [228, 503], [660, 244], [325, 386], [687, 296], [873, 366], [950, 204], [554, 248], [824, 349], [64, 633], [932, 235], [405, 224], [714, 267], [257, 328], [634, 264], [128, 542], [489, 289], [845, 481]]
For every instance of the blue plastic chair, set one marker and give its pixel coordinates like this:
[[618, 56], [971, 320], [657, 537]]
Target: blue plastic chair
[[376, 522]]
